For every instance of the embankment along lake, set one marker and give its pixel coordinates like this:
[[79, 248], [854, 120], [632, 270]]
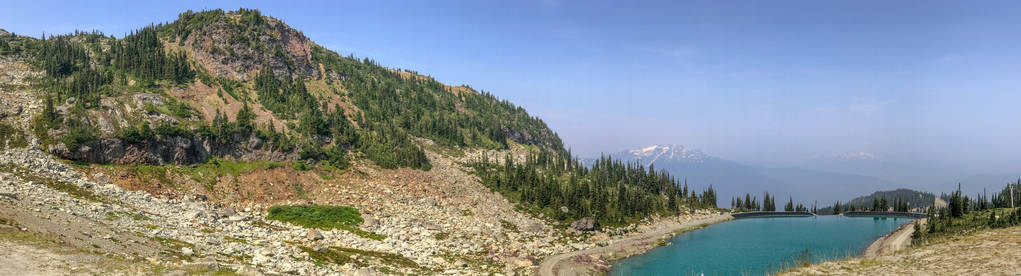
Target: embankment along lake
[[759, 246]]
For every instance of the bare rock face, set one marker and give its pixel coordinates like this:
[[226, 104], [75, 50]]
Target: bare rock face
[[584, 224], [169, 150], [178, 150], [261, 41]]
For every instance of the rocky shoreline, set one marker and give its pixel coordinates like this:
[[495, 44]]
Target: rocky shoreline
[[596, 260]]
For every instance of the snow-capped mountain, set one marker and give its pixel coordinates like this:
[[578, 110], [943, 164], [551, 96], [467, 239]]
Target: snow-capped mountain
[[855, 155], [651, 154], [730, 178]]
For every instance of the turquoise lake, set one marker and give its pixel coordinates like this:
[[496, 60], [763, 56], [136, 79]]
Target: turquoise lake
[[759, 246]]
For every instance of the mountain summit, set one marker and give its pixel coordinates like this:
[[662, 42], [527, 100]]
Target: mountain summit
[[666, 152]]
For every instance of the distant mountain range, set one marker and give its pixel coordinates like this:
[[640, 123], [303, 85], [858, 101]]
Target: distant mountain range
[[731, 179]]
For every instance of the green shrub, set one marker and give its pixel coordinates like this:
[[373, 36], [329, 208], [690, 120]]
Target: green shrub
[[324, 217], [337, 157], [11, 137], [317, 216], [300, 165], [179, 109], [136, 134], [77, 137]]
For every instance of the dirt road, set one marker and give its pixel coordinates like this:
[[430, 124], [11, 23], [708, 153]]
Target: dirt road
[[893, 242]]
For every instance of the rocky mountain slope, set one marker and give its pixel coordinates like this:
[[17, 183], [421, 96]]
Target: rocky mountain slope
[[435, 221], [162, 152]]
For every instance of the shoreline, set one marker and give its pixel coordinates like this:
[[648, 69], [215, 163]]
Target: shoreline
[[890, 243], [584, 262]]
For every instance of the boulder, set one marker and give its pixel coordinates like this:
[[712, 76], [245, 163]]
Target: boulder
[[314, 235], [584, 224]]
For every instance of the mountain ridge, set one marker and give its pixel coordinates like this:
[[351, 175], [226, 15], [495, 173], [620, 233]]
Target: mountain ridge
[[239, 84], [173, 144]]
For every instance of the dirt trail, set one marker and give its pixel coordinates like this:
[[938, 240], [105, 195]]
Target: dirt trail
[[899, 239], [568, 263]]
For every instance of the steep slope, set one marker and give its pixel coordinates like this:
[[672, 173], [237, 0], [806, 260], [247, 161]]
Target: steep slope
[[212, 217], [170, 145], [242, 85]]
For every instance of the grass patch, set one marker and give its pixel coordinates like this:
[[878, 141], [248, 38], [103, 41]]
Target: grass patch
[[477, 261], [139, 217], [342, 256], [509, 226], [11, 137], [235, 240], [114, 215], [149, 174], [173, 243], [268, 226], [316, 216], [324, 217], [441, 236], [213, 169]]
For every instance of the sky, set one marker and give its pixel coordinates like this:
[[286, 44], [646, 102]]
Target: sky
[[764, 82]]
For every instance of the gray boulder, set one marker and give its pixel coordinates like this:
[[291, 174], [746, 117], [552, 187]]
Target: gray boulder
[[584, 224]]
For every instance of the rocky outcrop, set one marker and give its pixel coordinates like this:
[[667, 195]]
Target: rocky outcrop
[[221, 48], [170, 150], [177, 150], [584, 224]]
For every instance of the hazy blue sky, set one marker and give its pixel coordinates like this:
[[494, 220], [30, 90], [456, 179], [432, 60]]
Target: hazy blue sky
[[758, 81]]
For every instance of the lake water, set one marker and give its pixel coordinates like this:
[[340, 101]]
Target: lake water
[[758, 246]]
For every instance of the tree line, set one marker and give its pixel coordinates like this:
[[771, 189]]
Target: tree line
[[751, 203], [610, 191]]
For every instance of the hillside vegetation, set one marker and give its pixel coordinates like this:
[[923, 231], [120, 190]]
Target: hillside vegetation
[[610, 191], [238, 85], [900, 200], [384, 107]]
